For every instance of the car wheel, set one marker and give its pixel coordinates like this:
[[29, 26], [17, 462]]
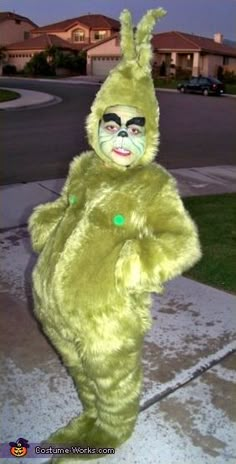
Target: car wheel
[[205, 92], [182, 89]]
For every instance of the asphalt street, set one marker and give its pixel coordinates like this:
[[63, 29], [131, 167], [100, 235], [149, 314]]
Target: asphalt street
[[38, 144]]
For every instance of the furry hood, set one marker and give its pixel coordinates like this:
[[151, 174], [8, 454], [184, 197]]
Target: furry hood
[[130, 83]]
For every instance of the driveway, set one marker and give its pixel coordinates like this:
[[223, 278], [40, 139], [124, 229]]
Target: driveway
[[38, 143]]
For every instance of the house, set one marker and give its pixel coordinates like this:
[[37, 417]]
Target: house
[[14, 28], [103, 56], [19, 53], [83, 30], [71, 35], [199, 55]]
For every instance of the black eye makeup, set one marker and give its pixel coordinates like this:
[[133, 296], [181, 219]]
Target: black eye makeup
[[109, 117], [138, 121]]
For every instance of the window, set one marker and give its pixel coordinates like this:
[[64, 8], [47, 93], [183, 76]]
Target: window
[[225, 60], [17, 21], [99, 35], [78, 36], [194, 81], [215, 81], [26, 35]]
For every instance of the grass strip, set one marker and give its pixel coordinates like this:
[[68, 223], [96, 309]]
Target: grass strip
[[215, 216], [7, 95]]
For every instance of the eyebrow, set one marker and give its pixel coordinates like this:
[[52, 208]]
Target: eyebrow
[[112, 117], [139, 121]]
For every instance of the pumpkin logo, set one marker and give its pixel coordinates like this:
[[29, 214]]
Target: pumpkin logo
[[19, 448]]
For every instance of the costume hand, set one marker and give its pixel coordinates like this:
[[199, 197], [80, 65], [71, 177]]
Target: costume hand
[[128, 267]]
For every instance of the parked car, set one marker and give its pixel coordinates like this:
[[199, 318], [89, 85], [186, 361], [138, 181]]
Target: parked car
[[203, 85]]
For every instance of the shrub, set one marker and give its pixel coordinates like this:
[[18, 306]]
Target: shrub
[[220, 73], [229, 77], [9, 70], [162, 70], [182, 74], [38, 66], [72, 62]]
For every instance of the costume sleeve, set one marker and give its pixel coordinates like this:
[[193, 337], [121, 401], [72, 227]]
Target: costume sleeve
[[45, 217], [169, 248]]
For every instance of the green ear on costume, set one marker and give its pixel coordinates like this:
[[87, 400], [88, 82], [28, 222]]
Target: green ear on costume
[[137, 45], [143, 36]]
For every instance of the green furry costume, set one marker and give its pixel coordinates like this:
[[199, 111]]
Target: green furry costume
[[116, 234]]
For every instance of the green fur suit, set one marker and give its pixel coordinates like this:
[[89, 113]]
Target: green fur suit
[[115, 235]]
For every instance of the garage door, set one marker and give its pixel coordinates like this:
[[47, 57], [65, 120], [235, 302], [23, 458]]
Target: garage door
[[102, 65]]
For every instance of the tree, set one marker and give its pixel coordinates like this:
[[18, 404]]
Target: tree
[[220, 73], [2, 56], [163, 69], [2, 53], [51, 52], [38, 65]]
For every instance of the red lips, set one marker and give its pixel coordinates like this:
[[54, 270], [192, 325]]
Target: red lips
[[122, 151]]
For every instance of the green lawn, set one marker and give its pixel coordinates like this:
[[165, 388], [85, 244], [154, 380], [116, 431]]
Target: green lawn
[[230, 88], [215, 216], [6, 95], [166, 83]]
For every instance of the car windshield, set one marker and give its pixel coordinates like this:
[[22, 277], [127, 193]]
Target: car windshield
[[216, 81]]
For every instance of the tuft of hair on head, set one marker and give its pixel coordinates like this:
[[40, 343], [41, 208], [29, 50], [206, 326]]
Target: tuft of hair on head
[[137, 45], [127, 43], [143, 36]]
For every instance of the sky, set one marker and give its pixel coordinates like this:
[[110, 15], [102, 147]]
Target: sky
[[200, 17]]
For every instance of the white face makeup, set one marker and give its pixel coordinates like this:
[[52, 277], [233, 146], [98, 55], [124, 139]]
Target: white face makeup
[[122, 134]]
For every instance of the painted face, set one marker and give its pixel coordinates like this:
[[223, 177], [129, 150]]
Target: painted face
[[122, 134]]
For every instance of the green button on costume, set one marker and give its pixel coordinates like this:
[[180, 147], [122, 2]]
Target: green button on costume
[[118, 232]]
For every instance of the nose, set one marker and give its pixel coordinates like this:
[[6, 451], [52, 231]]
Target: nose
[[122, 133]]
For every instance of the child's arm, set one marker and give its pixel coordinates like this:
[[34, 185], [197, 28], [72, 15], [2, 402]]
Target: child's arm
[[170, 248], [45, 217]]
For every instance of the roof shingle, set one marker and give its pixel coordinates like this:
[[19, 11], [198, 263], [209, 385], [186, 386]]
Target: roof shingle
[[95, 21], [182, 41], [42, 42], [6, 15]]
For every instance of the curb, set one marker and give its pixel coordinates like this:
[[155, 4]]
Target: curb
[[160, 89], [52, 101]]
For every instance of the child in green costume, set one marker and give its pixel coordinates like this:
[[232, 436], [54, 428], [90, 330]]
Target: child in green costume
[[118, 232]]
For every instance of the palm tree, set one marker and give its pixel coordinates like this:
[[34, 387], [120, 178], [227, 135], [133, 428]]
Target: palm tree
[[2, 52], [51, 52]]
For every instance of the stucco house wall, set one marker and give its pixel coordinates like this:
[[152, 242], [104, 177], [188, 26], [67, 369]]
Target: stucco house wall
[[107, 49], [89, 35], [231, 67], [19, 58], [11, 32], [67, 35], [213, 62]]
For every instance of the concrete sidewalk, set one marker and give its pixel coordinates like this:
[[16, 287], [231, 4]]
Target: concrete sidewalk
[[187, 407], [29, 99]]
